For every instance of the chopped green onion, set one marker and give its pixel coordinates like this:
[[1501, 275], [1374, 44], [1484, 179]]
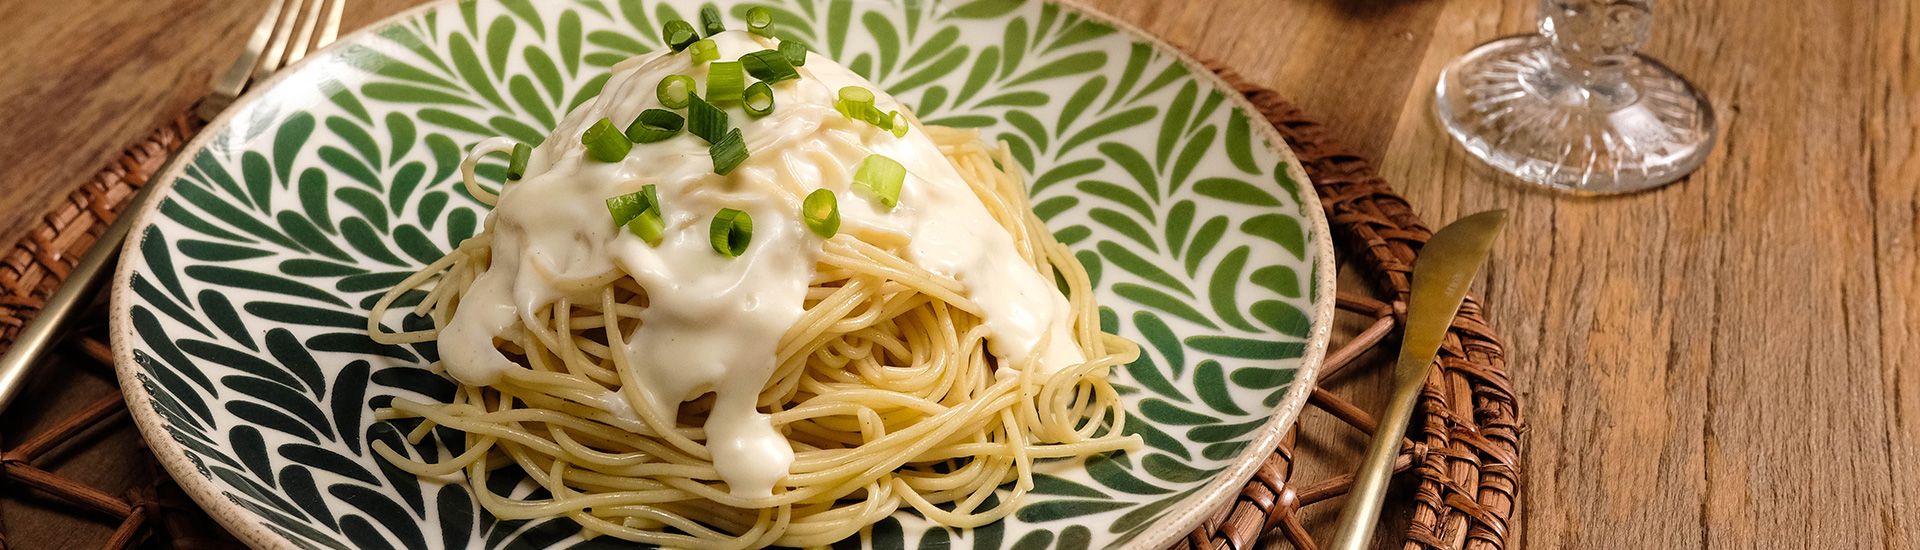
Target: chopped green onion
[[728, 153], [768, 66], [648, 226], [821, 211], [517, 166], [730, 232], [854, 102], [605, 143], [880, 179], [625, 207], [897, 123], [710, 20], [795, 52], [857, 104], [655, 125], [725, 81], [758, 99], [704, 50], [674, 90], [760, 21], [705, 120], [678, 35]]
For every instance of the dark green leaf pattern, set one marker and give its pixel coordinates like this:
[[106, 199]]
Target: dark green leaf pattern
[[250, 289]]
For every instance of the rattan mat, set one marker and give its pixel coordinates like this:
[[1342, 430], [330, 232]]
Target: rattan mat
[[1463, 452]]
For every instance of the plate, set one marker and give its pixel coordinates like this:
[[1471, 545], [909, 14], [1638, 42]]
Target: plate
[[239, 310]]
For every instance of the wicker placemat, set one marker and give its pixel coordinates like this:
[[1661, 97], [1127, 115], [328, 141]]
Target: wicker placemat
[[1464, 456]]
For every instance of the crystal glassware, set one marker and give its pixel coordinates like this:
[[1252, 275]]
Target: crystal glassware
[[1574, 108]]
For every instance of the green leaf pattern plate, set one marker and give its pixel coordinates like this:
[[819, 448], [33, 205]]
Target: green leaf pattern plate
[[239, 310]]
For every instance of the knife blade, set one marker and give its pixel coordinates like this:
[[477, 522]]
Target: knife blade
[[1442, 272]]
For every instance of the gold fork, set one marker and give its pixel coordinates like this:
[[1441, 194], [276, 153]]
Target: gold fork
[[289, 30]]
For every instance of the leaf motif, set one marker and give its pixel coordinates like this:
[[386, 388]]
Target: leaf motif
[[1140, 267], [1240, 142], [309, 236], [886, 38], [1223, 432], [1236, 191], [1164, 467], [1179, 222], [368, 204], [1065, 172], [500, 43], [288, 351], [210, 171], [1282, 318], [325, 460], [1158, 440], [382, 509], [240, 278], [236, 359], [251, 449], [1162, 301], [408, 93], [356, 137], [1016, 99], [933, 47], [467, 63], [1125, 226], [1163, 340], [1108, 126], [1145, 373], [984, 9], [1282, 230], [221, 313], [296, 480], [288, 141], [313, 199], [984, 66], [544, 72], [1278, 278], [363, 238], [521, 88], [1036, 540], [1084, 31], [1055, 510], [1137, 59], [1034, 131], [345, 163], [1044, 484], [1013, 46], [1063, 67], [1079, 101], [1210, 383], [1203, 242], [400, 134], [1190, 157], [455, 510], [178, 392], [1224, 287], [166, 304], [1172, 127], [1224, 450], [1088, 260], [839, 18], [1245, 348], [259, 415], [1049, 208], [1111, 474], [1166, 413], [286, 398], [405, 181], [1124, 196], [946, 64], [1134, 163], [569, 41], [213, 251]]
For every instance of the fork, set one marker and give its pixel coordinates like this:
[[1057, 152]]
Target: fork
[[285, 34]]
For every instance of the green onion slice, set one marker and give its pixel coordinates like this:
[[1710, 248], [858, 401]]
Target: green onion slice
[[897, 123], [648, 226], [854, 102], [704, 50], [655, 125], [517, 166], [769, 66], [674, 90], [880, 179], [625, 207], [728, 153], [794, 51], [705, 120], [760, 21], [678, 35], [725, 81], [730, 232], [821, 212], [710, 20], [758, 99], [605, 143]]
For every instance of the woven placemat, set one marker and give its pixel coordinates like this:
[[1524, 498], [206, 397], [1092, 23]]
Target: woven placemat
[[1464, 456]]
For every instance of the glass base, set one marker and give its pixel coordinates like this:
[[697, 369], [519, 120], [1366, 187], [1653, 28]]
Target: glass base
[[1507, 105]]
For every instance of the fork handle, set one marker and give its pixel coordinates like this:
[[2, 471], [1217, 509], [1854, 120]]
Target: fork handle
[[44, 330]]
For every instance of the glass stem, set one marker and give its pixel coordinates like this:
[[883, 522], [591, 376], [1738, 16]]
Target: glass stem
[[1592, 40]]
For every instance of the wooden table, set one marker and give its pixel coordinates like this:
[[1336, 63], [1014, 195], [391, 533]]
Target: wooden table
[[1725, 363]]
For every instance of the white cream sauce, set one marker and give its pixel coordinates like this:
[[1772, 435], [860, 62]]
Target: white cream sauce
[[712, 322]]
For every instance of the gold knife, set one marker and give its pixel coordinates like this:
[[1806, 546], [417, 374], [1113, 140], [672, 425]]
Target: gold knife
[[1441, 274]]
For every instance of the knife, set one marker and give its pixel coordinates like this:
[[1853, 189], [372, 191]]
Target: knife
[[1441, 274]]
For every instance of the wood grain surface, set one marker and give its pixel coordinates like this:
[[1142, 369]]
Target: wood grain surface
[[1731, 362]]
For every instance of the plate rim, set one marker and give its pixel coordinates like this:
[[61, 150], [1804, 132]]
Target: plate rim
[[246, 526]]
